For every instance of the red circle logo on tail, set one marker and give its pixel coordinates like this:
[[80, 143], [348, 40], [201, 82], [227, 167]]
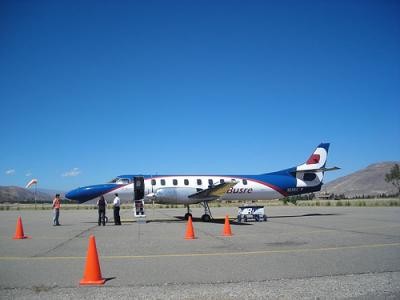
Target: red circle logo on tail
[[314, 159]]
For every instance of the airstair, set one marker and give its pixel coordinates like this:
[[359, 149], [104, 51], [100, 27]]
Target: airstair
[[138, 207]]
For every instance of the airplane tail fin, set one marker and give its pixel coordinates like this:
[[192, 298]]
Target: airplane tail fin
[[311, 173], [317, 159]]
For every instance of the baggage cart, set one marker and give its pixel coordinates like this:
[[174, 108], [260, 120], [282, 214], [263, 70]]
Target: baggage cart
[[251, 213]]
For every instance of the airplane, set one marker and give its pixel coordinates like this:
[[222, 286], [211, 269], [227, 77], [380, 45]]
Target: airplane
[[200, 189]]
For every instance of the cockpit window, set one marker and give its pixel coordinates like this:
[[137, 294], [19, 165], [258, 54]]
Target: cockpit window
[[120, 180], [123, 181]]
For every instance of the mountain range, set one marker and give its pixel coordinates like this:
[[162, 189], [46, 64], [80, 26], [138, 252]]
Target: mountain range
[[14, 194], [369, 181]]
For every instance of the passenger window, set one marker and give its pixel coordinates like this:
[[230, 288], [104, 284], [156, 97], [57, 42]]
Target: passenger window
[[175, 181], [198, 181], [210, 181], [221, 181], [186, 181], [244, 181], [162, 181], [153, 182]]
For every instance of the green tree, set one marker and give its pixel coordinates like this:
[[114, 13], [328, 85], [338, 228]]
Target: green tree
[[394, 177]]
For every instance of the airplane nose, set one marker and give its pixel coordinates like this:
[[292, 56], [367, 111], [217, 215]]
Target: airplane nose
[[87, 193], [72, 195]]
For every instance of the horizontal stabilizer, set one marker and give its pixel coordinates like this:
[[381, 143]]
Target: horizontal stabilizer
[[317, 170]]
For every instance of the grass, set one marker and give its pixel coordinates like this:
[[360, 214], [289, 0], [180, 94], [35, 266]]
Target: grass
[[328, 203], [352, 202]]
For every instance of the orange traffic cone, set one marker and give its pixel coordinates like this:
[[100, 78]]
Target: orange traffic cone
[[189, 230], [227, 227], [92, 275], [19, 231]]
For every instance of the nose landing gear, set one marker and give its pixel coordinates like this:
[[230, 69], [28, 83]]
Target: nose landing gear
[[188, 214]]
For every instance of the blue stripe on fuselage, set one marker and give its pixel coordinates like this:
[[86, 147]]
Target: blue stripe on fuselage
[[87, 193], [279, 181]]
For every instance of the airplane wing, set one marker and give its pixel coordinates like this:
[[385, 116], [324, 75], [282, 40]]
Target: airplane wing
[[214, 192]]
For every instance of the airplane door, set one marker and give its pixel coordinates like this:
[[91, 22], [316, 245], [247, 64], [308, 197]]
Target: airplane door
[[138, 185]]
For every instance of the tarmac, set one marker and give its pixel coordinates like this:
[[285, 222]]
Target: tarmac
[[300, 252]]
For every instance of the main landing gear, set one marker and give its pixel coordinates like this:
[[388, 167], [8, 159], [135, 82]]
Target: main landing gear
[[206, 217], [207, 212]]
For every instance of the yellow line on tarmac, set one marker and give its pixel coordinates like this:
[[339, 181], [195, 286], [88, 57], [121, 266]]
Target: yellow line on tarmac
[[299, 250], [334, 230]]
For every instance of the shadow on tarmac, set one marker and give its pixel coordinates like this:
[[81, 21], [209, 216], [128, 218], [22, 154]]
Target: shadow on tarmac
[[214, 221], [302, 216]]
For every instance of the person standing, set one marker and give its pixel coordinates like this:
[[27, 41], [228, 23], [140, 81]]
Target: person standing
[[117, 204], [56, 210], [101, 205]]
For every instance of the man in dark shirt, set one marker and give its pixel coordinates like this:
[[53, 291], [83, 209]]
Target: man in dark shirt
[[102, 204]]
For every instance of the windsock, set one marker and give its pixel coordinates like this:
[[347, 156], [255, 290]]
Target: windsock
[[30, 183]]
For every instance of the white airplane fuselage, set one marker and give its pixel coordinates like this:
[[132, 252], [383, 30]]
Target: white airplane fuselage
[[246, 189], [190, 189]]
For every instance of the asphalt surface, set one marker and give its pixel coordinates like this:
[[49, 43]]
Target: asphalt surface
[[300, 252]]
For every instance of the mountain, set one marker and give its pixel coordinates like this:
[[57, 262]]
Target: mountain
[[368, 182], [18, 194], [52, 193]]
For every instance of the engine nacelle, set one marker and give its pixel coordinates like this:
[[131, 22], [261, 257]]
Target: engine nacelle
[[175, 195]]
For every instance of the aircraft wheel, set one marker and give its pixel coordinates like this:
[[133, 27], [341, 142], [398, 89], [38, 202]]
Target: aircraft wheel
[[187, 215], [206, 218]]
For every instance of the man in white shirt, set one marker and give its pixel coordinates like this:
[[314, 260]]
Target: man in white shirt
[[116, 207]]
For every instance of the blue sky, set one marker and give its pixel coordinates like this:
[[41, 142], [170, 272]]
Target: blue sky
[[93, 89]]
